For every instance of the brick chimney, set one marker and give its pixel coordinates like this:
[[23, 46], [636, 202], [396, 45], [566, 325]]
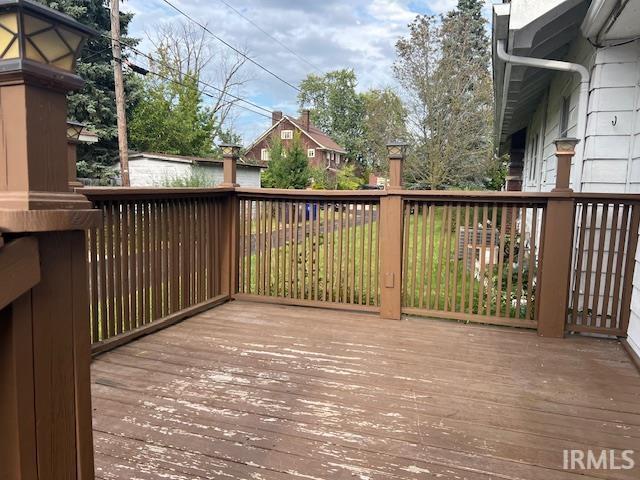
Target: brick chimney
[[306, 119], [275, 117]]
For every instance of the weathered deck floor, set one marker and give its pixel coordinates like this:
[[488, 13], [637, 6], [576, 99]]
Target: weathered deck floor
[[262, 391]]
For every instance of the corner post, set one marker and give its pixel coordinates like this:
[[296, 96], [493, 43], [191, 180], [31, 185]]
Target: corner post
[[391, 236], [44, 339], [229, 252], [555, 278], [230, 157]]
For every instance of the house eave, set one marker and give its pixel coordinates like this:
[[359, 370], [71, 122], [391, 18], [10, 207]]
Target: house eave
[[518, 89]]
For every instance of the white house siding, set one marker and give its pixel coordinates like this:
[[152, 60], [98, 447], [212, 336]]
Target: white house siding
[[153, 173], [634, 187], [545, 122], [612, 145]]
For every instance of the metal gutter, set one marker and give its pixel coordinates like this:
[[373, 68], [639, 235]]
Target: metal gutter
[[585, 79]]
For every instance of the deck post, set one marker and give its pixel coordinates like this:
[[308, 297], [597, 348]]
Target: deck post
[[555, 277], [45, 399], [229, 250], [391, 237], [230, 156]]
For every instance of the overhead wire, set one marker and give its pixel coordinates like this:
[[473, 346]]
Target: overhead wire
[[282, 44], [238, 51], [151, 60]]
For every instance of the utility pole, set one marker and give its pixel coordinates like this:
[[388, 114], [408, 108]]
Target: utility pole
[[119, 87]]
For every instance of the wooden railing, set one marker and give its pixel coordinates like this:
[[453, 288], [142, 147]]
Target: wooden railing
[[473, 260], [605, 242], [164, 254], [310, 247], [156, 259]]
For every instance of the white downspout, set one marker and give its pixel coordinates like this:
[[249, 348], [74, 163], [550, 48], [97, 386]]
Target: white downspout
[[585, 78]]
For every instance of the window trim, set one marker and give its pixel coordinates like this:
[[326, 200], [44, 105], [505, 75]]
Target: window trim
[[264, 155], [311, 153], [286, 134]]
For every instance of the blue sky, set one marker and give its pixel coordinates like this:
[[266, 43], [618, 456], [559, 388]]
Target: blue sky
[[331, 34]]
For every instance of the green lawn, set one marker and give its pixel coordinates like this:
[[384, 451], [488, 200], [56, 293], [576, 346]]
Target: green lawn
[[341, 266]]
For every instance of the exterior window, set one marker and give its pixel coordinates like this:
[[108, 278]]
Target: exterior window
[[564, 116], [286, 134], [264, 155], [311, 152]]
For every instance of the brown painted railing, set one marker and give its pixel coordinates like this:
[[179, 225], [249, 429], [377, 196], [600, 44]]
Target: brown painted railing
[[605, 243], [156, 258], [164, 254], [473, 260], [310, 247]]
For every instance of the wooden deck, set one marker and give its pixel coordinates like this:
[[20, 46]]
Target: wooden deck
[[258, 391]]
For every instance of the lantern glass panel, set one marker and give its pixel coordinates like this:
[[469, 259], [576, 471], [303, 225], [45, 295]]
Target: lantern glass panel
[[9, 45], [47, 43]]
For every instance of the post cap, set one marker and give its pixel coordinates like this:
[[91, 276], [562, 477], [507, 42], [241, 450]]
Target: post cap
[[230, 149], [397, 148], [566, 145]]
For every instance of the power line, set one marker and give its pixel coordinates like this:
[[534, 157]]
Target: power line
[[202, 91], [283, 45], [202, 82], [239, 52]]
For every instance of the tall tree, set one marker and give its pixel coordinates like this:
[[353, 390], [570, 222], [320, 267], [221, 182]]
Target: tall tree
[[443, 67], [336, 108], [173, 116], [184, 49], [384, 120], [94, 104]]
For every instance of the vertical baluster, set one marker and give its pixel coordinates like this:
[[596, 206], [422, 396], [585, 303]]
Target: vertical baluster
[[456, 242], [421, 213], [430, 262], [504, 211], [465, 260], [491, 266], [589, 272], [523, 226], [512, 242], [609, 269], [447, 256], [619, 278], [582, 227], [532, 261], [596, 290]]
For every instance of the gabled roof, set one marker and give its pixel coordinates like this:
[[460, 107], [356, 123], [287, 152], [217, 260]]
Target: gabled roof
[[321, 139]]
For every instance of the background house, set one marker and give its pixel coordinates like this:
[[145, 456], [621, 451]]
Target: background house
[[534, 106], [321, 149], [156, 169]]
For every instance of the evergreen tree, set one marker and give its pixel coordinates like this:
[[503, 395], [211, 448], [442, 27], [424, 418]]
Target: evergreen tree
[[95, 104], [288, 167]]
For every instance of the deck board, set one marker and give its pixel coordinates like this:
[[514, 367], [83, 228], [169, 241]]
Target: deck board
[[262, 391]]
